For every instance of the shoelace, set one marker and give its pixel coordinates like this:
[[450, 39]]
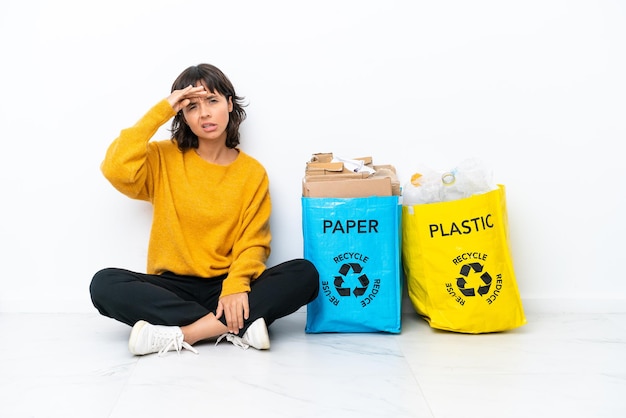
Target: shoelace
[[178, 344], [236, 340]]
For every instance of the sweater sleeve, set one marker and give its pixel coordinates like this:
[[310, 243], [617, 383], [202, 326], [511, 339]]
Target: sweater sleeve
[[252, 244], [126, 162]]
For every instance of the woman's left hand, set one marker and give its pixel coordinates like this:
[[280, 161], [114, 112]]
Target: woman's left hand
[[236, 309]]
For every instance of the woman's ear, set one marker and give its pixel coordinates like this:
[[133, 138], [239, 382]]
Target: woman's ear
[[230, 104]]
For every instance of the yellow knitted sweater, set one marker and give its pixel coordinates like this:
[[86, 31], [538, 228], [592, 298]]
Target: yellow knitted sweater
[[208, 219]]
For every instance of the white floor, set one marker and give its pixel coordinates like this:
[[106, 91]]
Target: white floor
[[78, 365]]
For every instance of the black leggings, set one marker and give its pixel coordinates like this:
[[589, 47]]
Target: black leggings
[[171, 299]]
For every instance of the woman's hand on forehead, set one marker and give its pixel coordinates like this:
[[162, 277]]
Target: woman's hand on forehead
[[178, 99]]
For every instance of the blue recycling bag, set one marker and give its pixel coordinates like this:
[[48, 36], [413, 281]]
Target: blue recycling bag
[[355, 245]]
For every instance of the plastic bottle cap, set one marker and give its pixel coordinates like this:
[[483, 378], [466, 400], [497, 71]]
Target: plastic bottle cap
[[448, 178]]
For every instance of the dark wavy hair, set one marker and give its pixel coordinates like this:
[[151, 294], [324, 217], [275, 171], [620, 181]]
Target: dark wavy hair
[[215, 81]]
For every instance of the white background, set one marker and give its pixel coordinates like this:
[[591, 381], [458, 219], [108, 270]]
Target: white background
[[536, 89]]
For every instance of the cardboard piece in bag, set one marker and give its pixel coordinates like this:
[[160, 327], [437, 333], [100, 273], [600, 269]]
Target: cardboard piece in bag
[[325, 177], [350, 187], [314, 168]]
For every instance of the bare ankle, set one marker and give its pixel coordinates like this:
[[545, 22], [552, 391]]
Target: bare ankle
[[204, 328]]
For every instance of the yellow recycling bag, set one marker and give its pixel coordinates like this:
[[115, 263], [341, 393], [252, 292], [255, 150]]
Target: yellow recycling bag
[[458, 265]]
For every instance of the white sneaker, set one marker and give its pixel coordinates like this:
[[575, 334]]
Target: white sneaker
[[146, 338], [256, 336]]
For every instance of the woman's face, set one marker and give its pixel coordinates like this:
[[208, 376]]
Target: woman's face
[[208, 116]]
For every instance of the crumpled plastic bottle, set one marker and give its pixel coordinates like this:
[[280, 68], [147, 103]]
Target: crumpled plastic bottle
[[468, 178]]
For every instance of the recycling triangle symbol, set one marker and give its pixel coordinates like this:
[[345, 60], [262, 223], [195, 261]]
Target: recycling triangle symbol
[[347, 270], [473, 268]]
